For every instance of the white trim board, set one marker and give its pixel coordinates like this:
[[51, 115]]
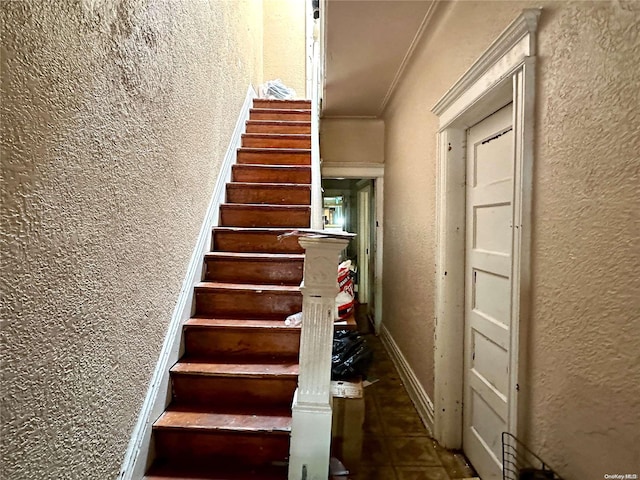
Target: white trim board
[[352, 170], [503, 74], [159, 393], [423, 403], [500, 60]]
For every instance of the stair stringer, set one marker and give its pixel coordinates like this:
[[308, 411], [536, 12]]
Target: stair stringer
[[137, 457]]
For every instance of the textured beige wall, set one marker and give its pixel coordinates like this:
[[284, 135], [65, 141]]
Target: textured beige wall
[[584, 414], [352, 140], [284, 43], [115, 119]]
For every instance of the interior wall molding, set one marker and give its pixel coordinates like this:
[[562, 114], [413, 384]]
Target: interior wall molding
[[352, 170], [426, 20], [515, 43], [417, 393]]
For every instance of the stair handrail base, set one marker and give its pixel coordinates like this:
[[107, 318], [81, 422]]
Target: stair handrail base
[[311, 411]]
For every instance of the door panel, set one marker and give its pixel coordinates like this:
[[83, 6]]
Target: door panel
[[488, 287], [489, 361], [491, 296], [491, 226]]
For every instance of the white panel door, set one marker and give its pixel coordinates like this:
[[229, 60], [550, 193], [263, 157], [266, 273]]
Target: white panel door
[[488, 267]]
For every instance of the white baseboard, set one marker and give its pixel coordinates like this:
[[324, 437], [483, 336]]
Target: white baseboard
[[423, 403], [159, 393]]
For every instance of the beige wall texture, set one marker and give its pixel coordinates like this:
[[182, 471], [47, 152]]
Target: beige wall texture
[[584, 342], [115, 119], [352, 140], [285, 43]]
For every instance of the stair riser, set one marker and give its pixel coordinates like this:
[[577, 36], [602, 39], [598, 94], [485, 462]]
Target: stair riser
[[248, 173], [213, 390], [221, 448], [269, 195], [273, 158], [282, 104], [255, 341], [258, 127], [256, 271], [233, 215], [256, 242], [268, 142], [294, 115], [247, 303]]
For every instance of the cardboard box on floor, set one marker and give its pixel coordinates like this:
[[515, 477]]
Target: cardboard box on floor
[[348, 421]]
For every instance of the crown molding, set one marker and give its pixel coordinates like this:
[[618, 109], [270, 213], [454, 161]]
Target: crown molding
[[518, 37], [407, 57]]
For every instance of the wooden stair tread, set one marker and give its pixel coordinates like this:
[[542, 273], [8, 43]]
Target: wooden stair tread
[[220, 368], [287, 123], [274, 150], [278, 166], [274, 230], [254, 268], [217, 471], [277, 135], [273, 193], [280, 101], [273, 155], [278, 126], [241, 323], [238, 323], [304, 186], [255, 239], [265, 215], [241, 300], [273, 257], [301, 111], [271, 173], [279, 114], [247, 286], [268, 421], [266, 206]]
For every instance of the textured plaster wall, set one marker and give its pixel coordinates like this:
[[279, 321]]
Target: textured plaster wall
[[585, 335], [285, 43], [115, 120], [584, 338], [352, 140], [460, 33]]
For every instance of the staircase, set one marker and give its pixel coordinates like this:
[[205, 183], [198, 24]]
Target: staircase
[[230, 412]]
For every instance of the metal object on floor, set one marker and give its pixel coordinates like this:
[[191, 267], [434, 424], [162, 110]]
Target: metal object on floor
[[520, 463]]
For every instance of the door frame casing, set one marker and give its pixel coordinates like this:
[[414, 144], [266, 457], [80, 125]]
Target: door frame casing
[[364, 187], [375, 172], [504, 73]]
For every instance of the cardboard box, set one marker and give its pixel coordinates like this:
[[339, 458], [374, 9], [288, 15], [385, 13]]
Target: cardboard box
[[348, 421]]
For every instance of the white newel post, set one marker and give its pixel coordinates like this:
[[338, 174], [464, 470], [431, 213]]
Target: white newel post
[[311, 423]]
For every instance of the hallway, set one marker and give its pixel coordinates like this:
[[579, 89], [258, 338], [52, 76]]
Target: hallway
[[396, 444]]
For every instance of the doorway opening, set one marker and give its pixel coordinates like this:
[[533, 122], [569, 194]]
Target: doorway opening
[[350, 205]]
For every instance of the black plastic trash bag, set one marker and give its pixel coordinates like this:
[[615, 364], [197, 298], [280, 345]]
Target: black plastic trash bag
[[351, 355]]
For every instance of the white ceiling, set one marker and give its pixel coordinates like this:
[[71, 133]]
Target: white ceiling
[[367, 44]]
